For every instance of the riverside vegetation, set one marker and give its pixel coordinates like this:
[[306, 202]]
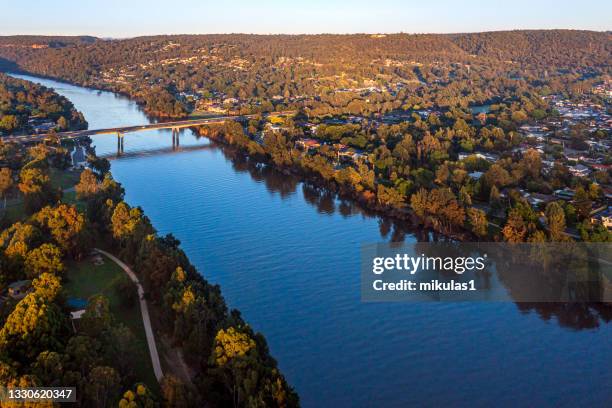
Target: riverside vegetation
[[56, 229]]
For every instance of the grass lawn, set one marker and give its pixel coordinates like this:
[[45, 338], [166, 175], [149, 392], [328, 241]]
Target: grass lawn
[[14, 212], [69, 197], [84, 279], [64, 178]]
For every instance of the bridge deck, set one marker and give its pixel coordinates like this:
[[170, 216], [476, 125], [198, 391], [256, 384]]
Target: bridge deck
[[128, 129]]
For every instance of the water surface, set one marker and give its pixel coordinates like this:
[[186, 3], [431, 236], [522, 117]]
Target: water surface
[[287, 256]]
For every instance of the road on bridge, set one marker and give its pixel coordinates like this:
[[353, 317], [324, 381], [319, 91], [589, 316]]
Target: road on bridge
[[175, 125]]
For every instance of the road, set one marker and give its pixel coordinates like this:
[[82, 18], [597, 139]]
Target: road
[[146, 320], [175, 125]]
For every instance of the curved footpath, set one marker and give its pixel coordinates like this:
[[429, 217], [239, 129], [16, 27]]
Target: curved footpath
[[145, 314]]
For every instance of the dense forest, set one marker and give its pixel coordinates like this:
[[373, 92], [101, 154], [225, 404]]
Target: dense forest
[[23, 104]]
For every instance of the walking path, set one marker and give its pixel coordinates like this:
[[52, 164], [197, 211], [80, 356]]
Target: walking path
[[145, 314]]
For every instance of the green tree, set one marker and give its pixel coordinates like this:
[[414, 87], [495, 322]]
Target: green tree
[[555, 219], [9, 123], [102, 387], [6, 182], [478, 221], [97, 318]]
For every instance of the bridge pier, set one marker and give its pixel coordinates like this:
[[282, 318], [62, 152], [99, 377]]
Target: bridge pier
[[120, 137], [175, 138]]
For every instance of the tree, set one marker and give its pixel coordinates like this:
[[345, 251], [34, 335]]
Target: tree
[[497, 176], [515, 229], [8, 123], [120, 347], [88, 185], [36, 187], [102, 387], [176, 393], [6, 182], [32, 181], [66, 225], [62, 123], [389, 196], [97, 317], [141, 397], [125, 221], [418, 203], [583, 203], [532, 163], [36, 324], [494, 196], [464, 196], [100, 165], [555, 219], [46, 258], [478, 221], [49, 368]]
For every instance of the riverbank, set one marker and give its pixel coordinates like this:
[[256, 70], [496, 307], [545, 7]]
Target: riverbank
[[366, 199], [153, 114]]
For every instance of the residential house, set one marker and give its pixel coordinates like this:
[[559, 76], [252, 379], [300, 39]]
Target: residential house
[[18, 289]]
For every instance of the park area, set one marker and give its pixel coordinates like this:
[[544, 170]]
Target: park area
[[91, 277]]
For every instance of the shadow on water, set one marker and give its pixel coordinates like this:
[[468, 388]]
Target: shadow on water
[[156, 152], [324, 201], [572, 315]]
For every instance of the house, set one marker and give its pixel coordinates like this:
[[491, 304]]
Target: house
[[580, 170], [485, 156], [565, 194], [273, 128], [43, 127], [574, 156], [306, 144], [536, 199], [603, 217], [18, 289]]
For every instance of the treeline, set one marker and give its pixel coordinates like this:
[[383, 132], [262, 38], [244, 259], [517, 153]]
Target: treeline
[[413, 171], [38, 346], [21, 101]]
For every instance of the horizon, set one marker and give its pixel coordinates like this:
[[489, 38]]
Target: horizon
[[142, 18], [302, 34]]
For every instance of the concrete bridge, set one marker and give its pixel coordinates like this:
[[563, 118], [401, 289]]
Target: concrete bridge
[[121, 131]]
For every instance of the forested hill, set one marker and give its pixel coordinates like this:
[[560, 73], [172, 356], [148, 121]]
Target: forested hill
[[161, 72], [558, 46], [540, 47], [25, 106]]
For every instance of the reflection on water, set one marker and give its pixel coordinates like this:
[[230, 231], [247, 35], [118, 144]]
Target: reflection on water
[[288, 256]]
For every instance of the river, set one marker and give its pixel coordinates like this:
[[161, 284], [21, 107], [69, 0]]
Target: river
[[288, 256]]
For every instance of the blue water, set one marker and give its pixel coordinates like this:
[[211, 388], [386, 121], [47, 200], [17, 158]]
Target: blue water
[[289, 260]]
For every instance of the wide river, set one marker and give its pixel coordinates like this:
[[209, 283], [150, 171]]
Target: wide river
[[288, 257]]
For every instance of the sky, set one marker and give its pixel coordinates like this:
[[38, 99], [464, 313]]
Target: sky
[[130, 18]]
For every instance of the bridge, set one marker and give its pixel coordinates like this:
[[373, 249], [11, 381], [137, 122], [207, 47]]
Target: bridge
[[121, 131]]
